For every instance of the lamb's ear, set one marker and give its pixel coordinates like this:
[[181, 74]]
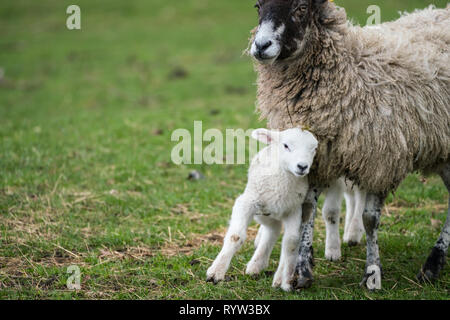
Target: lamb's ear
[[265, 136]]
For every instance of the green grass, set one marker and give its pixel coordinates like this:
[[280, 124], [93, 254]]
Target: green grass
[[85, 173]]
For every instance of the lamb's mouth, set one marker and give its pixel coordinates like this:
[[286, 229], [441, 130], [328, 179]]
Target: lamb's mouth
[[300, 174]]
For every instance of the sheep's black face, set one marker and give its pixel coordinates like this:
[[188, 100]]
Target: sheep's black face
[[282, 27]]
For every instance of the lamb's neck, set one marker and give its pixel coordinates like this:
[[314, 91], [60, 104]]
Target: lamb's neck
[[296, 92]]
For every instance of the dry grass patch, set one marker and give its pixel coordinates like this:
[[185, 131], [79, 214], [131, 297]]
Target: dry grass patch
[[196, 240]]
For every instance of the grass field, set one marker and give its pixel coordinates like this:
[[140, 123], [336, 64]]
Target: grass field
[[85, 172]]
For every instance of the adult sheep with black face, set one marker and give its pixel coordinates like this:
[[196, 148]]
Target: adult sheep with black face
[[378, 99]]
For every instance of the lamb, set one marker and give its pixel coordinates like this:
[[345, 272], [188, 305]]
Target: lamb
[[377, 99], [276, 188]]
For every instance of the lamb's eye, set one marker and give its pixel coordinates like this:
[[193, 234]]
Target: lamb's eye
[[286, 146]]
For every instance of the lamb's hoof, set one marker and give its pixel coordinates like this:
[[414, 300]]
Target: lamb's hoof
[[372, 278], [212, 279], [432, 267], [286, 287], [276, 283], [254, 269], [214, 275]]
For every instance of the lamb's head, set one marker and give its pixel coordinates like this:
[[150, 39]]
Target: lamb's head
[[293, 149], [282, 28]]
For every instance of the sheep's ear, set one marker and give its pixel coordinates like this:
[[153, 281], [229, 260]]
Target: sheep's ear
[[265, 136], [318, 3]]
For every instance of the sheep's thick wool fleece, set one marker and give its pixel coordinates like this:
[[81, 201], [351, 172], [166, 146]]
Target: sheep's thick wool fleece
[[377, 98]]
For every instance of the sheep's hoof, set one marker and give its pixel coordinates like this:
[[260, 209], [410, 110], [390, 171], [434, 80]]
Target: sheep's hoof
[[333, 254], [425, 276], [305, 280], [433, 266], [304, 283], [372, 278], [352, 243]]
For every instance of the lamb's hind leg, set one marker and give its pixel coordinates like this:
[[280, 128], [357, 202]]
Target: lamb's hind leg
[[305, 260], [436, 260], [243, 212], [371, 219], [267, 236], [291, 242]]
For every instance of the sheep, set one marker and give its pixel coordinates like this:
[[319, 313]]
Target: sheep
[[377, 99], [276, 188]]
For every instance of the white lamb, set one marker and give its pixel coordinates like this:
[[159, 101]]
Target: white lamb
[[276, 188]]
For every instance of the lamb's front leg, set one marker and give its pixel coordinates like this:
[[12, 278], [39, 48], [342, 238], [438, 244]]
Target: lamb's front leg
[[241, 217], [289, 248]]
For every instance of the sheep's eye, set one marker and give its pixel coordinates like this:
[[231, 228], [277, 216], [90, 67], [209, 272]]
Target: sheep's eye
[[286, 146], [300, 11], [302, 8]]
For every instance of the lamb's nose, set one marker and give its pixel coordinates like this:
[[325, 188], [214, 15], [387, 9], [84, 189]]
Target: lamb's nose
[[302, 167], [262, 46]]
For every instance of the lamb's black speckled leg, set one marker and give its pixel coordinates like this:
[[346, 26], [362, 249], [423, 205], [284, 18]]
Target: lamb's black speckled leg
[[305, 260], [436, 260], [371, 219]]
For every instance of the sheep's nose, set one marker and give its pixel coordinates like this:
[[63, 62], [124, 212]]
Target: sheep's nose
[[262, 46], [302, 167]]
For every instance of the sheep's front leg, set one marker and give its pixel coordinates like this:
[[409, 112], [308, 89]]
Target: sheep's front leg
[[237, 232], [267, 236], [305, 260], [331, 215], [371, 219], [289, 248]]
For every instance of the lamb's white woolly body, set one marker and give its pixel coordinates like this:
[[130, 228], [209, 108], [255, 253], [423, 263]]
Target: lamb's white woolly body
[[271, 189], [276, 188]]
